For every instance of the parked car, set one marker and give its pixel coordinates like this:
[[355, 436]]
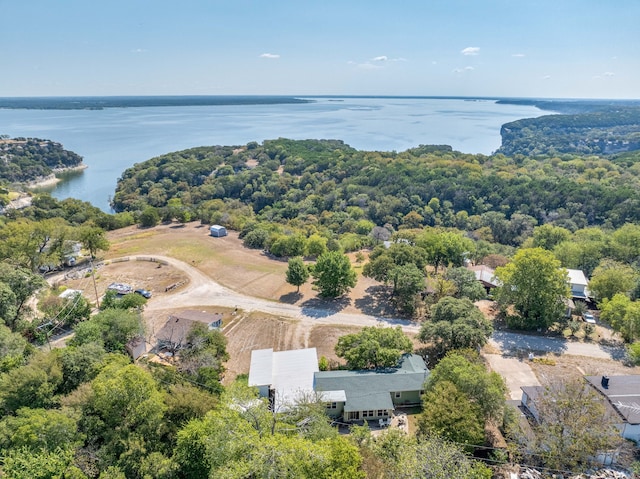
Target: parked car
[[143, 292], [589, 318]]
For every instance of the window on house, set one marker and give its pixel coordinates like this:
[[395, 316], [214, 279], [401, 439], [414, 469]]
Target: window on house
[[332, 405], [354, 415], [382, 412], [398, 395]]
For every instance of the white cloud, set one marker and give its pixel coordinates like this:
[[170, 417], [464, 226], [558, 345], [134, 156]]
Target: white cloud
[[609, 74], [463, 70], [546, 77], [138, 50], [518, 55], [271, 56], [471, 51], [376, 63]]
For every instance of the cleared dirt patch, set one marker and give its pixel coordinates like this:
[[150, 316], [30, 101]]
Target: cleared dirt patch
[[248, 271], [224, 259], [245, 333], [153, 277], [324, 339], [565, 367]]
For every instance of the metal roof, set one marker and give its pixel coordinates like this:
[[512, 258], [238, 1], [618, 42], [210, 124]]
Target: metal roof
[[623, 393], [576, 276], [261, 369], [289, 373], [371, 389]]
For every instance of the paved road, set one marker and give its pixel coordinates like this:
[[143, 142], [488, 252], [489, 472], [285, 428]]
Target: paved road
[[516, 373], [513, 343], [515, 347]]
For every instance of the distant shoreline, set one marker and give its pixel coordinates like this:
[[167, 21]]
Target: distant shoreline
[[102, 102], [52, 179]]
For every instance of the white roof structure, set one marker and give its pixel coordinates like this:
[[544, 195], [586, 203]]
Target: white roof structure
[[289, 373], [69, 293], [485, 274], [576, 276]]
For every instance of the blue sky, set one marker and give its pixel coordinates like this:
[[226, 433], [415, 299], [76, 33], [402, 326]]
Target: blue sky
[[513, 48]]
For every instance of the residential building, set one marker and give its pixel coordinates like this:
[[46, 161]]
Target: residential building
[[173, 334], [372, 394], [578, 283], [283, 376], [486, 276], [621, 398]]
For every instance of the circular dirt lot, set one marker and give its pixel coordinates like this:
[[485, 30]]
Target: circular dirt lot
[[147, 275]]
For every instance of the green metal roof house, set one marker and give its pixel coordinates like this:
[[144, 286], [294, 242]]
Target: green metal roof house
[[372, 394]]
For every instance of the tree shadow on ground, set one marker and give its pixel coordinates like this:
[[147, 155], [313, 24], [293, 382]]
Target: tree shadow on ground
[[291, 298], [324, 307], [377, 302]]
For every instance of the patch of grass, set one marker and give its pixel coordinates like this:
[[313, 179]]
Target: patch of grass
[[545, 361]]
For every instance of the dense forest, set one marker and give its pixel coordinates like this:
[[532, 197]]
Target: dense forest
[[604, 130], [342, 190], [28, 159]]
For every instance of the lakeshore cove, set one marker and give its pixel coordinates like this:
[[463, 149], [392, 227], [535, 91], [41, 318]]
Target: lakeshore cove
[[113, 138]]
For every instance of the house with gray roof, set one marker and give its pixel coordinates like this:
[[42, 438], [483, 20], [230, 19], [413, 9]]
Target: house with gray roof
[[623, 395], [372, 394]]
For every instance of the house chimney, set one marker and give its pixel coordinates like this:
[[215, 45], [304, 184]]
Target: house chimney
[[605, 382]]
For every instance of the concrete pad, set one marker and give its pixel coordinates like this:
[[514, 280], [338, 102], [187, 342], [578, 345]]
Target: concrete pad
[[516, 373]]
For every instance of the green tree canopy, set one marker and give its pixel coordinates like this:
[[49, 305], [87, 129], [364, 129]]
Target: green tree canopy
[[395, 455], [333, 274], [39, 429], [93, 239], [14, 349], [467, 286], [547, 236], [32, 385], [573, 427], [407, 281], [483, 388], [535, 285], [27, 464], [112, 328], [297, 272], [446, 248], [455, 324], [17, 285], [374, 347], [610, 278], [623, 315], [449, 413]]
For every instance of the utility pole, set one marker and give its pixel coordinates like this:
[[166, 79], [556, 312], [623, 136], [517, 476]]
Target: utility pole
[[93, 277]]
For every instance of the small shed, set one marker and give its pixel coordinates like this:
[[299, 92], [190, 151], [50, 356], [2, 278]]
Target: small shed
[[218, 231]]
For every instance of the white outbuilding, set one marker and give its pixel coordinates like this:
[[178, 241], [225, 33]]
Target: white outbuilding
[[218, 231]]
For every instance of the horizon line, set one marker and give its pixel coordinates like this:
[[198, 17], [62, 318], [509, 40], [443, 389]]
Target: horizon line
[[253, 95]]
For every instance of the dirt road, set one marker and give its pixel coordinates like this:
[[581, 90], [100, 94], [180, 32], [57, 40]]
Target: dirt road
[[203, 291]]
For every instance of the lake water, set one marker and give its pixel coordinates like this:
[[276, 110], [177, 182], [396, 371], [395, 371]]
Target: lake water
[[113, 139]]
